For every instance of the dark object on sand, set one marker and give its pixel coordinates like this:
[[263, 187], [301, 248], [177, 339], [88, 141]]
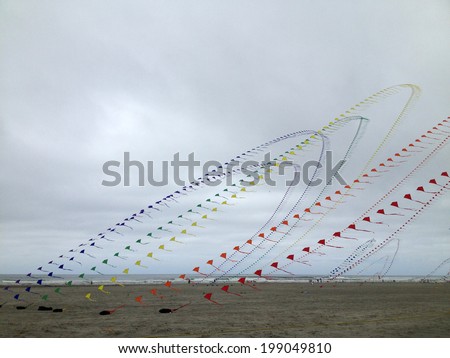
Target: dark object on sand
[[58, 310], [165, 310], [21, 307], [108, 312], [172, 310], [44, 308]]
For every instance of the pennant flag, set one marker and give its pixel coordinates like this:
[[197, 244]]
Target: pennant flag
[[275, 266], [138, 263], [173, 239], [382, 212], [28, 289], [297, 216], [322, 242], [117, 254], [105, 262], [102, 289], [195, 224], [114, 280], [353, 227], [434, 181], [52, 275], [274, 229], [308, 250], [226, 289], [139, 241], [224, 256], [328, 198], [155, 293], [236, 248], [211, 262], [291, 257], [150, 255], [88, 296], [250, 242], [322, 206], [168, 284], [138, 299], [338, 192], [95, 270], [308, 210], [197, 269], [259, 273], [367, 219], [244, 283], [409, 197], [395, 204], [339, 235], [161, 247], [73, 259], [208, 297]]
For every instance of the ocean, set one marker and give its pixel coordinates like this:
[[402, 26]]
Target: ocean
[[143, 279]]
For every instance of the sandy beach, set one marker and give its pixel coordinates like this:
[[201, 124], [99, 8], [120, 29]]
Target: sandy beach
[[276, 310]]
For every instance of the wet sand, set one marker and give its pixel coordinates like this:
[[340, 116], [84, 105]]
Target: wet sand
[[276, 310]]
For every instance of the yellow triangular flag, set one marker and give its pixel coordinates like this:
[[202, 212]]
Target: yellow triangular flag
[[114, 280], [125, 271], [101, 288]]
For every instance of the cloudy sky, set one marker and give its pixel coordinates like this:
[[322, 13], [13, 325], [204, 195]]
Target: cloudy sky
[[83, 82]]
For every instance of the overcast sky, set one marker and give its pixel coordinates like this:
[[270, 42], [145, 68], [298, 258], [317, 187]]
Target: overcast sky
[[82, 82]]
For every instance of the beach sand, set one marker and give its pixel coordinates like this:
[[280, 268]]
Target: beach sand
[[276, 310]]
